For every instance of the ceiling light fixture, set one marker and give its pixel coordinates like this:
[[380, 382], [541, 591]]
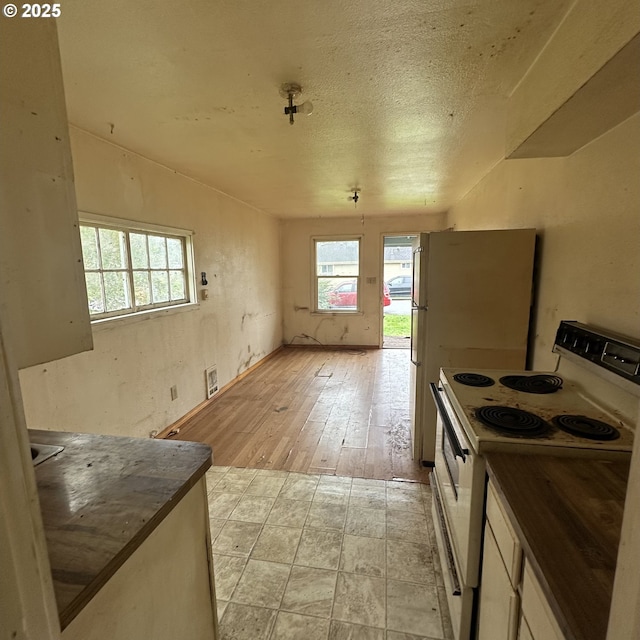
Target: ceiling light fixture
[[355, 197], [290, 91]]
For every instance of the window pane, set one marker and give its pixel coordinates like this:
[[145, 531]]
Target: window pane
[[324, 286], [112, 249], [338, 257], [94, 293], [340, 294], [142, 288], [89, 247], [116, 290], [174, 247], [139, 256], [157, 252], [344, 296], [128, 269], [160, 286], [176, 280]]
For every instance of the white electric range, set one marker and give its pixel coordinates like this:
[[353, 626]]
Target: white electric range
[[544, 410], [521, 411]]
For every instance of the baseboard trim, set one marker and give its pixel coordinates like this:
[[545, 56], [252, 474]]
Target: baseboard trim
[[333, 347], [164, 434]]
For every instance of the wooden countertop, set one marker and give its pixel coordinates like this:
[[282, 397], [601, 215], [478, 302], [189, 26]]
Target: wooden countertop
[[567, 513], [101, 498]]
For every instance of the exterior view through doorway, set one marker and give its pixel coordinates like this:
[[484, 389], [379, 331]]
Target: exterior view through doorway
[[397, 275]]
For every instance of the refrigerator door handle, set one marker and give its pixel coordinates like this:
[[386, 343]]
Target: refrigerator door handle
[[458, 450], [417, 363]]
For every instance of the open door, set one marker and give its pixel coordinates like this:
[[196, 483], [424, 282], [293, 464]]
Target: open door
[[397, 277]]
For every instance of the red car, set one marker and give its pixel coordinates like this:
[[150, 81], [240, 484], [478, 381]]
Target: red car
[[346, 295]]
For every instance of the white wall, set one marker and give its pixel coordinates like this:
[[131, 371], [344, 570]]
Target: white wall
[[586, 210], [297, 276], [123, 385]]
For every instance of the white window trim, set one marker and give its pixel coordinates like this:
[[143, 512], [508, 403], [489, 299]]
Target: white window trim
[[101, 324], [136, 225], [315, 275]]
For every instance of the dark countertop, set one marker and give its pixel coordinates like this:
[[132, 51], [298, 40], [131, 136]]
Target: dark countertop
[[101, 498], [567, 513]]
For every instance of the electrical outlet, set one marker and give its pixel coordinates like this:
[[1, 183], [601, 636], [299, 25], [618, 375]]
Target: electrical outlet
[[174, 392]]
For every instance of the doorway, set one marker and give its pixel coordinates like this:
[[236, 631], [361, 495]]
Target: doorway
[[397, 275]]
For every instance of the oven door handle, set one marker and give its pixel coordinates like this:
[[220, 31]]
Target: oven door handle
[[458, 451], [442, 523]]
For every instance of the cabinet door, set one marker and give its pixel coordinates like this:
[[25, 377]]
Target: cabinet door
[[542, 623], [505, 536], [43, 300], [499, 603]]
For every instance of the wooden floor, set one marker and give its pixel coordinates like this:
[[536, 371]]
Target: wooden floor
[[315, 411]]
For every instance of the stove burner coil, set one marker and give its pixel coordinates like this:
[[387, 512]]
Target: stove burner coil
[[474, 379], [585, 427], [512, 422], [540, 383]]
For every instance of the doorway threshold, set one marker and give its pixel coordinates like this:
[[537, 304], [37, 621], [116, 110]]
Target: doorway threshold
[[396, 342]]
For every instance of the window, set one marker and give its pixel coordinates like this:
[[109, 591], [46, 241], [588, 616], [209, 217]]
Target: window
[[337, 274], [130, 268], [405, 265]]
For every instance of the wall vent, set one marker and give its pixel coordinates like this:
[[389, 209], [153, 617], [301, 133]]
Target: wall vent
[[211, 380]]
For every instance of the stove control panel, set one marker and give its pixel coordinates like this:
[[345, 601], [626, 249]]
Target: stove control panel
[[612, 352]]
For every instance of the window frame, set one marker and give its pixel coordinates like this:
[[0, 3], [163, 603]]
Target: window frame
[[315, 276], [87, 219]]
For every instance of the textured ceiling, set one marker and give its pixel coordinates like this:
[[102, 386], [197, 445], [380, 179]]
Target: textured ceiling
[[409, 95]]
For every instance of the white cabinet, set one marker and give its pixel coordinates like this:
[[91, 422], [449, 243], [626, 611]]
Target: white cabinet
[[43, 301], [165, 590], [512, 604], [506, 538], [539, 620], [499, 602]]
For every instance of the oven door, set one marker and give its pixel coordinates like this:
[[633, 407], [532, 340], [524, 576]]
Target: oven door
[[460, 477]]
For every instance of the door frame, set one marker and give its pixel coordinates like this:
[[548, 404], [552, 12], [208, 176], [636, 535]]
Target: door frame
[[383, 235]]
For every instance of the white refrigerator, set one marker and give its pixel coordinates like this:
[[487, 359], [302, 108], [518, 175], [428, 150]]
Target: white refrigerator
[[470, 307]]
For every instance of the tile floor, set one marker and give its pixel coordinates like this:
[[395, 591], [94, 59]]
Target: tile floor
[[316, 557]]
